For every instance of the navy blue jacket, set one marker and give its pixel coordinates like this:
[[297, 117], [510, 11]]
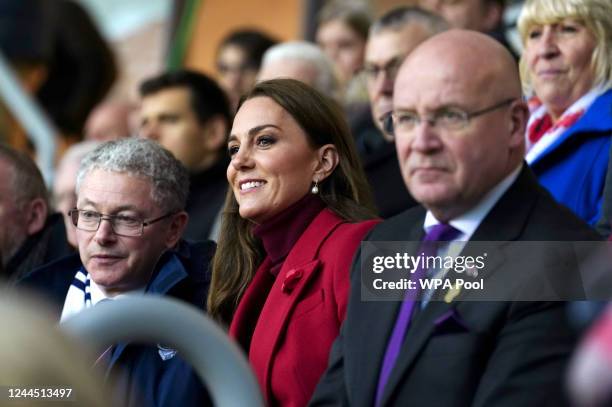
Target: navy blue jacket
[[144, 378]]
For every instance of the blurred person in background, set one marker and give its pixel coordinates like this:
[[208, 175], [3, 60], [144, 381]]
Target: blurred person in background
[[81, 71], [129, 220], [479, 15], [590, 373], [30, 233], [189, 115], [567, 69], [26, 41], [61, 59], [35, 354], [301, 61], [297, 210], [392, 37], [110, 121], [64, 183], [342, 33], [238, 60]]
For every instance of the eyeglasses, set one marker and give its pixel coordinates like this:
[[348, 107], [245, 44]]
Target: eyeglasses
[[122, 225], [447, 118], [390, 69]]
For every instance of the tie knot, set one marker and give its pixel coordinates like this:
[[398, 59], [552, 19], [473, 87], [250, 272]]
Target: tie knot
[[442, 232]]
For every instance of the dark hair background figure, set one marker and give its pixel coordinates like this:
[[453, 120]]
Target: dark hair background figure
[[239, 57], [486, 16], [61, 58], [196, 136]]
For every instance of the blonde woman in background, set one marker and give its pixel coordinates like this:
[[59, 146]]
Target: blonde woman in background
[[567, 69]]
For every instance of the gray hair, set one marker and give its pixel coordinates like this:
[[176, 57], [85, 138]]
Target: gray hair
[[144, 159], [326, 81], [397, 18], [76, 152]]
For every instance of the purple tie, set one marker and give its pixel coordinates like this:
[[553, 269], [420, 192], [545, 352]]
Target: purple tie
[[440, 232]]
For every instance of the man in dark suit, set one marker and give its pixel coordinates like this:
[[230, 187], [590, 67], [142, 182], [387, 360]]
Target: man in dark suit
[[459, 126]]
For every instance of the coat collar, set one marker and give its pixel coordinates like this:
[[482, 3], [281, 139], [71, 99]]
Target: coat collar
[[597, 119], [168, 275], [300, 267]]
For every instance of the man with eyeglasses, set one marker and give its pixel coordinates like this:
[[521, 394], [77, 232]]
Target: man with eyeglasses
[[129, 219], [391, 39], [458, 121]]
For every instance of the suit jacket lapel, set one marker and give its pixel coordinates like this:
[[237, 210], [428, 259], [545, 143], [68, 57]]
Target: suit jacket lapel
[[376, 322], [418, 333], [507, 219], [503, 224], [376, 319]]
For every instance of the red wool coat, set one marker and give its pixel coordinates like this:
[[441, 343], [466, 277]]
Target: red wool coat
[[303, 310]]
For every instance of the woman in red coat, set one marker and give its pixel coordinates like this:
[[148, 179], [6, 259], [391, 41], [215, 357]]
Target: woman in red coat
[[296, 212]]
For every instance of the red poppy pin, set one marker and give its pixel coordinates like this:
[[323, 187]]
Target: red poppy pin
[[291, 280]]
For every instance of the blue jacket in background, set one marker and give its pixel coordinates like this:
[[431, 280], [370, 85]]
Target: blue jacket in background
[[574, 167], [144, 378]]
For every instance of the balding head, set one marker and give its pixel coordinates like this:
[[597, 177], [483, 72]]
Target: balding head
[[449, 167], [460, 52]]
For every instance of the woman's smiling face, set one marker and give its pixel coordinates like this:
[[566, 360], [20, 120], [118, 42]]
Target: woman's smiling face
[[272, 163]]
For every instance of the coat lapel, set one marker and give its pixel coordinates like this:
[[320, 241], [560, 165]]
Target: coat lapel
[[300, 267], [276, 314], [255, 294]]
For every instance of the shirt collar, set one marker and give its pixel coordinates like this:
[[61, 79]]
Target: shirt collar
[[469, 221], [98, 295]]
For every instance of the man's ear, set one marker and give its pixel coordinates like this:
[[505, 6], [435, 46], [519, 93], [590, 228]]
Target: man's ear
[[176, 228], [327, 161], [519, 113], [35, 215], [215, 133]]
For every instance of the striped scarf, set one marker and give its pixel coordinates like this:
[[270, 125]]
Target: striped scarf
[[79, 294], [542, 132]]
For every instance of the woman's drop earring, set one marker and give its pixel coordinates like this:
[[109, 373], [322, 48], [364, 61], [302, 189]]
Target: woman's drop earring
[[315, 188]]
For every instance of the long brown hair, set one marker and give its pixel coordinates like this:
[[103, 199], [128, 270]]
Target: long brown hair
[[345, 191]]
